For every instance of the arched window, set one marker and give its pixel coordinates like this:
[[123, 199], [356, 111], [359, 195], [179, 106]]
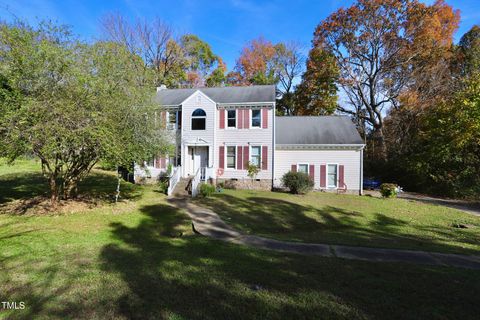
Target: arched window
[[198, 119]]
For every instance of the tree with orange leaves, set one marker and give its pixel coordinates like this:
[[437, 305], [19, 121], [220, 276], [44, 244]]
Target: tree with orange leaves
[[380, 48]]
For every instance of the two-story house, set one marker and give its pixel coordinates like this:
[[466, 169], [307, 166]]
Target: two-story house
[[218, 132]]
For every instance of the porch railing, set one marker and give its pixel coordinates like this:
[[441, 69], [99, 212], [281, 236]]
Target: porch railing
[[196, 180], [173, 179]]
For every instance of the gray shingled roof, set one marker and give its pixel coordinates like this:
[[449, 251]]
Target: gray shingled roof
[[316, 130], [225, 95]]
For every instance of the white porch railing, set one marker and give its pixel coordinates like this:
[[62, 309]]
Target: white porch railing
[[196, 182], [173, 179]]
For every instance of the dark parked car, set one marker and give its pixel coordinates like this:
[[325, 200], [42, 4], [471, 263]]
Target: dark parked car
[[371, 184]]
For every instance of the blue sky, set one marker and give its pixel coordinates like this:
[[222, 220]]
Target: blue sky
[[226, 25]]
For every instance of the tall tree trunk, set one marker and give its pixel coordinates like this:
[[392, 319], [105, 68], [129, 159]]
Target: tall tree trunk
[[382, 146]]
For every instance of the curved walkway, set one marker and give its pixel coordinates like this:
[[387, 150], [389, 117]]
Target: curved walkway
[[208, 223]]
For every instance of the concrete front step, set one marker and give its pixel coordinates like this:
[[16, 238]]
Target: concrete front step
[[180, 188]]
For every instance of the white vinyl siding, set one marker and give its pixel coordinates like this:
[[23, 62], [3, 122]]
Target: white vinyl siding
[[350, 159], [246, 138]]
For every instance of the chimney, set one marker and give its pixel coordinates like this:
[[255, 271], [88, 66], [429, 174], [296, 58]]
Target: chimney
[[162, 87]]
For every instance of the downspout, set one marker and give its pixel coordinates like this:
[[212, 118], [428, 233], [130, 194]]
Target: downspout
[[273, 144], [361, 172]]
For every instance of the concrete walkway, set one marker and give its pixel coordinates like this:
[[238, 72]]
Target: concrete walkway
[[208, 223]]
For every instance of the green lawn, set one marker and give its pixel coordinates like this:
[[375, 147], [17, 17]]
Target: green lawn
[[348, 219], [139, 259]]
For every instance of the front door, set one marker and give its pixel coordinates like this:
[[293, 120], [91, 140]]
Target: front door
[[197, 158]]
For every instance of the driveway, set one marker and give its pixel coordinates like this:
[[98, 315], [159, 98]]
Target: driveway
[[467, 206]]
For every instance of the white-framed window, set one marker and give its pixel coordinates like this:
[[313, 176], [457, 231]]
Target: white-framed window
[[302, 167], [256, 155], [231, 118], [256, 121], [231, 157], [199, 118], [332, 175]]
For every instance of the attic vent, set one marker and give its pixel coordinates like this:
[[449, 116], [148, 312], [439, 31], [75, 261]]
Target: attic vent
[[199, 99]]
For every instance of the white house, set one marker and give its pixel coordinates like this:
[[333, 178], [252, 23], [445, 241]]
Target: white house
[[217, 132]]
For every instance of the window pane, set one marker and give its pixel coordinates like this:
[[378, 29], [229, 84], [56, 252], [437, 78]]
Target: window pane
[[231, 117], [332, 175], [198, 124], [303, 168], [256, 118], [255, 158], [231, 157]]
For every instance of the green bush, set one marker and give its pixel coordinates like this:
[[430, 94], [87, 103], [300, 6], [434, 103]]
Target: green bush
[[297, 182], [206, 189], [163, 185], [389, 190]]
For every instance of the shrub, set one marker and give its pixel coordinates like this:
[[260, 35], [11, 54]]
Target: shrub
[[252, 170], [163, 185], [388, 190], [297, 182], [207, 189]]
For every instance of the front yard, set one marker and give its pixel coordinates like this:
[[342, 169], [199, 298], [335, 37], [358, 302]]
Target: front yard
[[139, 259], [348, 219]]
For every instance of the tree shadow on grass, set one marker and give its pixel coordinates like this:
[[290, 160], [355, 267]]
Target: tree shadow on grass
[[291, 221], [30, 190], [192, 277]]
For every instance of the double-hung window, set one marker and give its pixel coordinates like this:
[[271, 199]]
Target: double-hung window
[[256, 158], [231, 157], [256, 118], [302, 167], [231, 118], [332, 174]]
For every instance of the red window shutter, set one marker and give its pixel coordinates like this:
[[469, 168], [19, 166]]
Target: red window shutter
[[163, 163], [264, 158], [240, 118], [294, 168], [222, 118], [221, 157], [246, 156], [239, 158], [341, 176], [312, 172], [264, 118], [246, 118], [323, 176]]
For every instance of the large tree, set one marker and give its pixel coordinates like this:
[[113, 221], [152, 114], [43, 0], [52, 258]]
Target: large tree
[[70, 103], [375, 44], [177, 61], [469, 52], [317, 92]]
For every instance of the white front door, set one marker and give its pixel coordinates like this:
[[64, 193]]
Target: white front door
[[197, 158]]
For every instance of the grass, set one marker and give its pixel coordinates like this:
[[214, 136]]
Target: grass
[[140, 260], [348, 219]]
